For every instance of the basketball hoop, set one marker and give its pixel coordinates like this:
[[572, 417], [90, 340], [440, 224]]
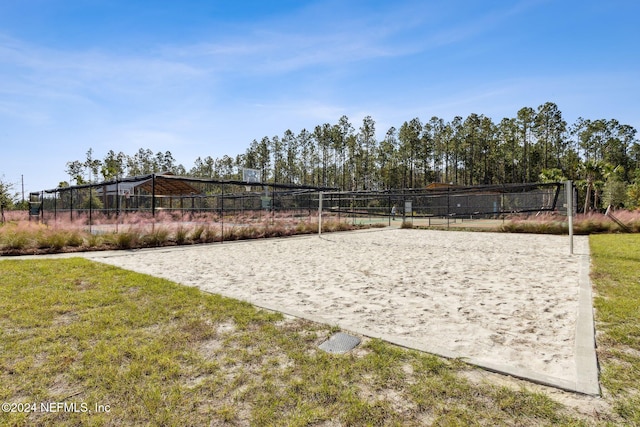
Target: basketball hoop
[[251, 175]]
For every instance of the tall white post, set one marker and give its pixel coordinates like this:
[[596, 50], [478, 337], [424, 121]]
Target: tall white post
[[569, 187], [319, 213]]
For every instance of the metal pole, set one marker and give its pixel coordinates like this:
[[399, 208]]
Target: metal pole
[[404, 210], [319, 213], [153, 195], [222, 215], [117, 203], [90, 206], [117, 199], [569, 189], [353, 209], [448, 205]]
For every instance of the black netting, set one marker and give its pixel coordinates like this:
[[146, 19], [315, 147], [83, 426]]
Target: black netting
[[186, 198]]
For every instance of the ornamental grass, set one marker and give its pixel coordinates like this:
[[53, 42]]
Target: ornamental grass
[[141, 230]]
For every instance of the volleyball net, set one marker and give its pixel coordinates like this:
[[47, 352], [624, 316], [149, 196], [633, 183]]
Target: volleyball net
[[443, 201]]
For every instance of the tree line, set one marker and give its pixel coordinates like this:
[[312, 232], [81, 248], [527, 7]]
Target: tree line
[[537, 145]]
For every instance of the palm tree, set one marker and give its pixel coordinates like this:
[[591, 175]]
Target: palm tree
[[592, 172]]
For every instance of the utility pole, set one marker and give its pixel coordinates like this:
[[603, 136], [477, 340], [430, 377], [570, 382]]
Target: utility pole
[[22, 180]]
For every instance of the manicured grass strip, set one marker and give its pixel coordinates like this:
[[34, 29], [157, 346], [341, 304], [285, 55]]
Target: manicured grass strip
[[616, 277], [156, 353]]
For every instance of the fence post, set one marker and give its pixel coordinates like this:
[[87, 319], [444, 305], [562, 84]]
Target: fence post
[[118, 207], [153, 195]]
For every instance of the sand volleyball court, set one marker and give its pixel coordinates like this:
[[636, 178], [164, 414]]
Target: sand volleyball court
[[514, 303]]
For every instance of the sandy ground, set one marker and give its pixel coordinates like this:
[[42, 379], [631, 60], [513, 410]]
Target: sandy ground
[[498, 299]]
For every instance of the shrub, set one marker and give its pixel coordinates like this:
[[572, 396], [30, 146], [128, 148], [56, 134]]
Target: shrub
[[209, 234], [51, 239], [94, 241], [582, 224], [197, 233], [17, 241], [536, 227], [333, 225], [181, 235], [250, 232], [158, 236], [278, 229], [74, 239], [230, 233], [127, 239], [305, 227], [343, 226]]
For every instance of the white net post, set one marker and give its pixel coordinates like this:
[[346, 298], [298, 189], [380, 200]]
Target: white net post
[[569, 188], [320, 213]]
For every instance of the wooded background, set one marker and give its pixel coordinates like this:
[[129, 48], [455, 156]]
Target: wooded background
[[601, 156]]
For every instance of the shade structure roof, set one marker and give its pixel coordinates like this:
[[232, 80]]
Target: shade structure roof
[[167, 187]]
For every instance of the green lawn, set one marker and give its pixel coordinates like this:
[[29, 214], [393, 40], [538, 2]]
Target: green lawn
[[616, 275], [120, 348]]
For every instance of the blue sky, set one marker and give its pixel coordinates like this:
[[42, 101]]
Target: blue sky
[[205, 78]]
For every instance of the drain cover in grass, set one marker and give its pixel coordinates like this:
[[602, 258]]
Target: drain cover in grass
[[340, 343]]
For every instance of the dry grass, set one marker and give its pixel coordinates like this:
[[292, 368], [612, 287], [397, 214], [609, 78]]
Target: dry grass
[[167, 228], [142, 230], [582, 224]]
